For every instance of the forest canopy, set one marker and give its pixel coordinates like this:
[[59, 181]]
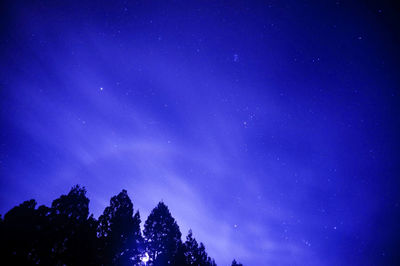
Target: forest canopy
[[65, 234]]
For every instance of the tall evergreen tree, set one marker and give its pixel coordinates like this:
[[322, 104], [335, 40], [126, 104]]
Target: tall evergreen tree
[[18, 234], [73, 233], [162, 236], [60, 235], [64, 234], [235, 263], [45, 240], [119, 232], [196, 254]]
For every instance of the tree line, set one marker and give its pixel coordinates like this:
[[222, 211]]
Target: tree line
[[65, 234]]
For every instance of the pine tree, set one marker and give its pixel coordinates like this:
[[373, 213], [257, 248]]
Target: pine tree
[[191, 249], [72, 235], [18, 234], [234, 263], [162, 236], [196, 254], [65, 234], [119, 232]]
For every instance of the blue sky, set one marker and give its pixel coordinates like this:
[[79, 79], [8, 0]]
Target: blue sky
[[269, 128]]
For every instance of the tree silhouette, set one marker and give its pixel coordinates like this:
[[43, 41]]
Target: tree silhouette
[[234, 263], [19, 234], [119, 232], [65, 234], [162, 236], [196, 254], [73, 234], [45, 236]]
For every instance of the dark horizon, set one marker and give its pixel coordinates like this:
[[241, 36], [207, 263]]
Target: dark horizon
[[269, 128], [65, 233]]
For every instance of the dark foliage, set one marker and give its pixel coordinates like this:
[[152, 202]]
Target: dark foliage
[[195, 254], [65, 234], [119, 233], [162, 236], [235, 263], [72, 232]]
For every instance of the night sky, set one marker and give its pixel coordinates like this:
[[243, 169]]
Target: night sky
[[268, 128]]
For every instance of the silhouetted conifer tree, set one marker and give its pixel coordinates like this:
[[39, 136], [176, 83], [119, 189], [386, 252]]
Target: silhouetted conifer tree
[[64, 234], [162, 236], [234, 263], [44, 242], [191, 249], [196, 254], [119, 232], [72, 234], [19, 234]]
